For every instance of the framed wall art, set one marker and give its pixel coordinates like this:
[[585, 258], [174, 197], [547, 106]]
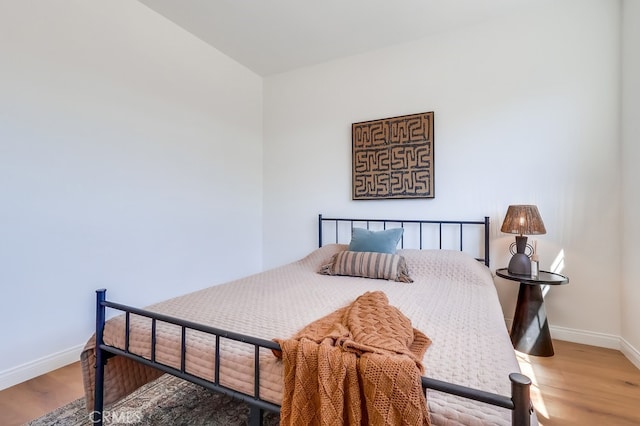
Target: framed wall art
[[393, 157]]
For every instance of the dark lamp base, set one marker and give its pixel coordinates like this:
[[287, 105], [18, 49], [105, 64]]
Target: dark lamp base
[[520, 264]]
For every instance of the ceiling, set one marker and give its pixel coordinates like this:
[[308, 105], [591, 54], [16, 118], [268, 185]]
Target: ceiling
[[274, 36]]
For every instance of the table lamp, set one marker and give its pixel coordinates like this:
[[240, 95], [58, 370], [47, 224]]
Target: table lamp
[[522, 220]]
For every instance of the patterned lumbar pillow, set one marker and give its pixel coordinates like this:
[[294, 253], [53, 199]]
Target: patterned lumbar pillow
[[366, 264]]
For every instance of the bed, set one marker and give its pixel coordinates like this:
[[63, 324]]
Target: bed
[[206, 337]]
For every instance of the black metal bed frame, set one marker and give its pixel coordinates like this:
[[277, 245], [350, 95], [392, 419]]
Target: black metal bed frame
[[519, 402]]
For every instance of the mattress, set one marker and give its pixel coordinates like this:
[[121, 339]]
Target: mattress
[[452, 300]]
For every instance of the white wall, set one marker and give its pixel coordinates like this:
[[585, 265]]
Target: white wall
[[526, 111], [130, 158], [631, 157]]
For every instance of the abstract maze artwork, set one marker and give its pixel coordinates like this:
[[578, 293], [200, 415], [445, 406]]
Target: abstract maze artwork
[[393, 157]]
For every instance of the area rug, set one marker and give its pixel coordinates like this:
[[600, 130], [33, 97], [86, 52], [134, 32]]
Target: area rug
[[165, 401]]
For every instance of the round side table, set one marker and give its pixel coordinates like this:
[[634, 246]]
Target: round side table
[[530, 329]]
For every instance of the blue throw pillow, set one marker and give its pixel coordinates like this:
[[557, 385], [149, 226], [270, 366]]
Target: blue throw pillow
[[375, 241]]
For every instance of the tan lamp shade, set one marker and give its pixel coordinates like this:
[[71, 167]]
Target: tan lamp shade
[[523, 220]]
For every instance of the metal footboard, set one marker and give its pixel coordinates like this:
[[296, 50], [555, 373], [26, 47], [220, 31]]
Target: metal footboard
[[519, 402], [103, 352]]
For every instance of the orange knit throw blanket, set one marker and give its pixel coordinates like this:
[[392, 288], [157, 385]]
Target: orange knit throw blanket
[[358, 365]]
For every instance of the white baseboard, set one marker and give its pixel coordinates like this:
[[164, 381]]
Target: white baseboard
[[630, 352], [584, 337], [40, 366], [593, 338]]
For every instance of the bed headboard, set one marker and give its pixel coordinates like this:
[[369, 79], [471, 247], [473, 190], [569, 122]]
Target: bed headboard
[[464, 235]]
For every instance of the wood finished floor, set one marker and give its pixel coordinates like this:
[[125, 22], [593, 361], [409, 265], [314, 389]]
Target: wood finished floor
[[580, 385], [36, 397], [583, 385]]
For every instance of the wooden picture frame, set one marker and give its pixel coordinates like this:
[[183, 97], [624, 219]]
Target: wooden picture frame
[[393, 157]]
